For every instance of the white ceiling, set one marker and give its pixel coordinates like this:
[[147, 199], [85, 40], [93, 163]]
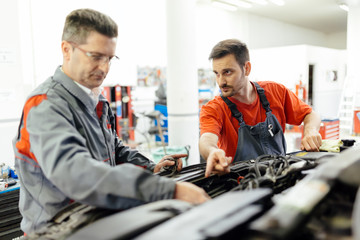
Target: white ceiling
[[319, 15]]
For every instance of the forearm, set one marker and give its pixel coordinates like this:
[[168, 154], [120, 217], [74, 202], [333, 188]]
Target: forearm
[[311, 123], [216, 160], [207, 143], [124, 154], [86, 180]]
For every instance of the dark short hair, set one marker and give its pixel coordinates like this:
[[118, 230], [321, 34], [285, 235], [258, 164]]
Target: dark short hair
[[231, 46], [81, 22]]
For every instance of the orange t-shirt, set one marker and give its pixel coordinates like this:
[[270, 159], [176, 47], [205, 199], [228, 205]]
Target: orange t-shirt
[[215, 116]]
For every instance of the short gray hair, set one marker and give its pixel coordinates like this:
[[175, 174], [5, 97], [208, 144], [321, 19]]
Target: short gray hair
[[79, 23]]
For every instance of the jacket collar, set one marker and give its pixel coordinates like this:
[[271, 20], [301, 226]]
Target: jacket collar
[[73, 88]]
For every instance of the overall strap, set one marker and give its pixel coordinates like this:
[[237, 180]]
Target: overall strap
[[263, 99], [234, 111]]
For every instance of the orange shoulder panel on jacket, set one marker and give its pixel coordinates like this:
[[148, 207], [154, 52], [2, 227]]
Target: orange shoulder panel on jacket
[[23, 145]]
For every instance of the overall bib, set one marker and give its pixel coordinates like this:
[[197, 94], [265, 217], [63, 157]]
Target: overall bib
[[264, 138]]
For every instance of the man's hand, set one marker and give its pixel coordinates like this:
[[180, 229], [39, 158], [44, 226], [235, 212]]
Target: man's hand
[[311, 141], [190, 193], [217, 163], [165, 161]]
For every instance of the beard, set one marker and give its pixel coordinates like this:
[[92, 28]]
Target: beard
[[226, 90]]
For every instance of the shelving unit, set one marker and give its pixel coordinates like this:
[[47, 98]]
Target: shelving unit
[[346, 108], [120, 101]]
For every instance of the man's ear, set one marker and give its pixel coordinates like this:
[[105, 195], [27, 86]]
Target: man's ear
[[66, 49], [247, 68]]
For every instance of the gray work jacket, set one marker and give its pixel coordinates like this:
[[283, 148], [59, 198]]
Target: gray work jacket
[[67, 150]]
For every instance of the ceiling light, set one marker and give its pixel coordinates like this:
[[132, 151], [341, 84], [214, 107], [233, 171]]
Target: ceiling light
[[238, 3], [260, 2], [344, 7], [278, 2], [225, 6], [344, 4]]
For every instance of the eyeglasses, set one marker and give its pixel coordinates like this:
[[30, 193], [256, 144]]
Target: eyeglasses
[[97, 58]]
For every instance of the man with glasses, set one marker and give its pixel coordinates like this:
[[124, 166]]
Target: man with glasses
[[67, 149]]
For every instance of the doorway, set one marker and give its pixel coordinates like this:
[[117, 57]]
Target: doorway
[[310, 84]]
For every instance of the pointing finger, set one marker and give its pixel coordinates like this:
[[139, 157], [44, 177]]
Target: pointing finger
[[209, 167]]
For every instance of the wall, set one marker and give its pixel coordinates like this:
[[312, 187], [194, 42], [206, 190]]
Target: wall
[[214, 25], [279, 64], [287, 65], [327, 92], [336, 40], [257, 32], [33, 36], [265, 33], [141, 34]]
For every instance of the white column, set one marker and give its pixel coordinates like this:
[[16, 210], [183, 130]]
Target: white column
[[353, 48], [182, 80], [16, 67]]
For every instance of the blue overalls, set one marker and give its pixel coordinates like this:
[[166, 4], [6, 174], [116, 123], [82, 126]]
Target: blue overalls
[[264, 138]]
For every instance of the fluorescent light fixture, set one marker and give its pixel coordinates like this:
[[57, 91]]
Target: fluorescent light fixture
[[238, 3], [225, 6], [260, 2], [344, 7], [278, 2]]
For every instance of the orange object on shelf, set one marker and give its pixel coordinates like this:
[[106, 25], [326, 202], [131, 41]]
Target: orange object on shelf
[[118, 111], [130, 113], [357, 121], [330, 129], [300, 91]]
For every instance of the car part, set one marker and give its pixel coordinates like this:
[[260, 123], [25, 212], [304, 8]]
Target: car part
[[300, 201], [215, 218]]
